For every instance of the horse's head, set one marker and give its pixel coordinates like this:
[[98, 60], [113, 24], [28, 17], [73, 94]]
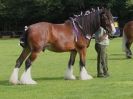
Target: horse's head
[[107, 21], [90, 21]]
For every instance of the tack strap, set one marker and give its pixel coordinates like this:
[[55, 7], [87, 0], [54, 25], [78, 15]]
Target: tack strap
[[75, 29]]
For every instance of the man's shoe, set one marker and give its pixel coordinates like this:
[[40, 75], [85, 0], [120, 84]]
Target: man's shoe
[[100, 75]]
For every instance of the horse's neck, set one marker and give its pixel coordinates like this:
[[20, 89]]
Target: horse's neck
[[96, 30]]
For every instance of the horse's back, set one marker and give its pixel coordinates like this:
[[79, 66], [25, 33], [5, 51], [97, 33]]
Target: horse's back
[[39, 27], [49, 27]]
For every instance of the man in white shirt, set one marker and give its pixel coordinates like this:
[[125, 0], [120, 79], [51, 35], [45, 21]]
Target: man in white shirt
[[101, 43]]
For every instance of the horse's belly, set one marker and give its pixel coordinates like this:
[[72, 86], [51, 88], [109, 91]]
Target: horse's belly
[[61, 47]]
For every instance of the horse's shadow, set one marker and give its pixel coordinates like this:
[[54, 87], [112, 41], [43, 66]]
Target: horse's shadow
[[49, 78], [7, 83]]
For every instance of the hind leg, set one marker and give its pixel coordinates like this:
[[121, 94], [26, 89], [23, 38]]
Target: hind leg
[[14, 75], [128, 51], [26, 76], [69, 72]]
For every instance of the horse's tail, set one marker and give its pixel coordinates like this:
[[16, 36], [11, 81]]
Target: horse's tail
[[23, 38], [124, 40]]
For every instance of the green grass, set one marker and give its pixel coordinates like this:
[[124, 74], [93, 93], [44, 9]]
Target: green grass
[[48, 70]]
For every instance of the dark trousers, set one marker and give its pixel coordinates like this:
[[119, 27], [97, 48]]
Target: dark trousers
[[102, 65]]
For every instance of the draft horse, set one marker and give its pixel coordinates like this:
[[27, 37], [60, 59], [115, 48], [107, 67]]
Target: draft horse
[[128, 38], [73, 36]]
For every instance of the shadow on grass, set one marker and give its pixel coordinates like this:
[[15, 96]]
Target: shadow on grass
[[5, 83], [113, 58], [49, 78], [117, 54], [117, 57], [92, 59]]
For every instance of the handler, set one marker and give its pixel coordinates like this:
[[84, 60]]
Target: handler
[[101, 43]]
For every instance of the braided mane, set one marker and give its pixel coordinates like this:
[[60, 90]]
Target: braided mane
[[90, 21]]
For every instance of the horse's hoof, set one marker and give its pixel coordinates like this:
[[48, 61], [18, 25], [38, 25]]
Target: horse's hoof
[[72, 77], [14, 82], [69, 74], [28, 82], [86, 77]]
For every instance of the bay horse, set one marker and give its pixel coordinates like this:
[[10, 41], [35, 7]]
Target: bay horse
[[73, 36], [128, 38]]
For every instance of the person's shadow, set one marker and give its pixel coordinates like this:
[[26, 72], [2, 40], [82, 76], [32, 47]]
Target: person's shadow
[[117, 57]]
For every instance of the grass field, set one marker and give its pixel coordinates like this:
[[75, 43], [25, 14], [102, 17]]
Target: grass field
[[48, 70]]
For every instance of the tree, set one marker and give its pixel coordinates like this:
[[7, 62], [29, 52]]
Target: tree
[[15, 14]]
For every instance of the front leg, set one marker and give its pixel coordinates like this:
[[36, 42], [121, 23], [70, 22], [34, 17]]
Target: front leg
[[69, 71], [83, 72]]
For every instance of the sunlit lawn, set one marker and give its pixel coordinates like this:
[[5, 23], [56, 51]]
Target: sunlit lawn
[[48, 70]]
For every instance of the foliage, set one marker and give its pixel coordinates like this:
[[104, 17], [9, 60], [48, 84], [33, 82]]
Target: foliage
[[18, 13], [129, 3]]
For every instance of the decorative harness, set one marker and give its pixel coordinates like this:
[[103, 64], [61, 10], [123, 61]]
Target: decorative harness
[[75, 29]]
